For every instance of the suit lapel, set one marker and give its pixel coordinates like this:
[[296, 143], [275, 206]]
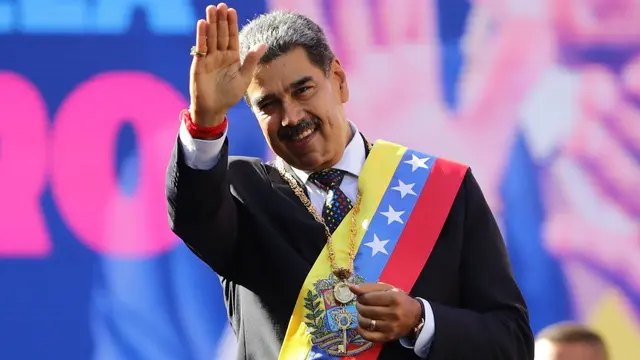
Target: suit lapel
[[366, 148]]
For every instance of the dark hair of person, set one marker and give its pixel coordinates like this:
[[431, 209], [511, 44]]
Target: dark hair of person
[[283, 31]]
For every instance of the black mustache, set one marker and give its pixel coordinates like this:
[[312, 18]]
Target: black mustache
[[290, 132]]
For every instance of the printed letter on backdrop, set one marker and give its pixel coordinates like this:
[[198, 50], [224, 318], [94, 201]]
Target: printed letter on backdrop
[[23, 145], [84, 178]]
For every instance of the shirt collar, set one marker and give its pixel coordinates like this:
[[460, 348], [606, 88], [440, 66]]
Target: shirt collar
[[352, 159]]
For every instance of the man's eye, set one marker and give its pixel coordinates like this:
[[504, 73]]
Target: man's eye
[[266, 105], [302, 90]]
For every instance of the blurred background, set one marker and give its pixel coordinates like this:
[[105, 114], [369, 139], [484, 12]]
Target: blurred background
[[540, 97]]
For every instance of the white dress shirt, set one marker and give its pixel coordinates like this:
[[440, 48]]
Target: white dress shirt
[[204, 154]]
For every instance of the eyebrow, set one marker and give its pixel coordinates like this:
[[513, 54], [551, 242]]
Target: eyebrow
[[294, 85], [298, 83]]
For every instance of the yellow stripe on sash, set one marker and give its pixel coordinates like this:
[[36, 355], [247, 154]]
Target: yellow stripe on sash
[[374, 180]]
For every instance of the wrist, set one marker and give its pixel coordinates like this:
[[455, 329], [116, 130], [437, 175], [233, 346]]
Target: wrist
[[418, 319], [201, 132], [205, 120]]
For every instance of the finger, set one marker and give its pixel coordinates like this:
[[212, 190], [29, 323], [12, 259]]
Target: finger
[[417, 32], [212, 30], [378, 298], [600, 92], [373, 336], [354, 29], [397, 21], [201, 36], [251, 61], [366, 324], [380, 333], [387, 24], [374, 312], [223, 26], [626, 126], [631, 76], [369, 287], [609, 164], [603, 99], [312, 9], [234, 37]]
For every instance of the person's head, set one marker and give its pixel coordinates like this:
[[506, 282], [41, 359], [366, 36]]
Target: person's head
[[298, 90], [569, 341]]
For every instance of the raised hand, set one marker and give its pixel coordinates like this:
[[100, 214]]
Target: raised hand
[[218, 79]]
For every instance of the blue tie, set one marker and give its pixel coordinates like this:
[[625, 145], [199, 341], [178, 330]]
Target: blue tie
[[338, 204]]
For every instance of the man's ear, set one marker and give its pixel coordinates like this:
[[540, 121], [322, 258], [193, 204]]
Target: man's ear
[[339, 76]]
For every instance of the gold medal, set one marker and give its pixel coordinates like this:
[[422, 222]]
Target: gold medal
[[342, 293]]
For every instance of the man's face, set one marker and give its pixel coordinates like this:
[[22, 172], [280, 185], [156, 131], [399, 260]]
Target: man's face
[[547, 350], [300, 110]]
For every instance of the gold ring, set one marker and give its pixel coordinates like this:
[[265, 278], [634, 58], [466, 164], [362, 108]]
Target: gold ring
[[196, 53], [372, 325]]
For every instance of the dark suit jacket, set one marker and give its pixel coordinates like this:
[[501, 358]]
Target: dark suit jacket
[[243, 220]]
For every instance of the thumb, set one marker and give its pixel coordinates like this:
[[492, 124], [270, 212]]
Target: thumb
[[251, 61], [357, 290], [369, 287]]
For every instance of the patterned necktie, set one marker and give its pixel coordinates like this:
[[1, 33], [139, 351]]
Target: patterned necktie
[[337, 204]]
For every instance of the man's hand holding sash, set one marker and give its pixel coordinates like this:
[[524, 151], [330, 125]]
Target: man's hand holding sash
[[385, 313]]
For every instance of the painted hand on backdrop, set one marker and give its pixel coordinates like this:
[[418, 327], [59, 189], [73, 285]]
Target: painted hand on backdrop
[[387, 48], [597, 22], [595, 211], [607, 140]]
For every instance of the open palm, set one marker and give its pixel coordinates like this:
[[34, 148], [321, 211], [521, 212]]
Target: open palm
[[218, 78]]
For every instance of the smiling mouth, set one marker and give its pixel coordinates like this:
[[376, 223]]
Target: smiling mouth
[[304, 134], [301, 131]]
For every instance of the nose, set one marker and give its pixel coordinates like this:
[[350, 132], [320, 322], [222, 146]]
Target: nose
[[293, 114]]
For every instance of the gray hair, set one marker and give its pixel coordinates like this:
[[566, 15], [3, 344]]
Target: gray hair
[[283, 31]]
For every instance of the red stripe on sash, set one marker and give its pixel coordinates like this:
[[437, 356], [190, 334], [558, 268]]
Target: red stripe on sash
[[421, 231]]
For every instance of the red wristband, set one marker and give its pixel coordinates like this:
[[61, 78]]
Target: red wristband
[[198, 132]]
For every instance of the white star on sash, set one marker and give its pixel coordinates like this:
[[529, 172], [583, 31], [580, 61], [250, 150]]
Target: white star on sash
[[393, 215], [416, 162], [377, 246], [404, 189]]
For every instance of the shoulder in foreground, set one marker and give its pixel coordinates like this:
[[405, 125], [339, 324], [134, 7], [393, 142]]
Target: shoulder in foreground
[[245, 159], [243, 163], [244, 166]]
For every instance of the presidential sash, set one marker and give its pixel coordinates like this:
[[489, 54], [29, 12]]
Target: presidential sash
[[406, 198]]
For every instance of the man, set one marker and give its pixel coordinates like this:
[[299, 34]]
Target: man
[[569, 341], [339, 247]]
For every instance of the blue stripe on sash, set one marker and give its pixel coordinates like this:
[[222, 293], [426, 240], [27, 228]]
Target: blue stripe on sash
[[384, 230]]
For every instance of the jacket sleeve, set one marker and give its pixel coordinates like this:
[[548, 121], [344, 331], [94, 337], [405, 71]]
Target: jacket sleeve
[[492, 322], [201, 208]]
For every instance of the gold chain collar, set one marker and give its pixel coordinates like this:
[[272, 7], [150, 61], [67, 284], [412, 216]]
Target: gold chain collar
[[342, 273]]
